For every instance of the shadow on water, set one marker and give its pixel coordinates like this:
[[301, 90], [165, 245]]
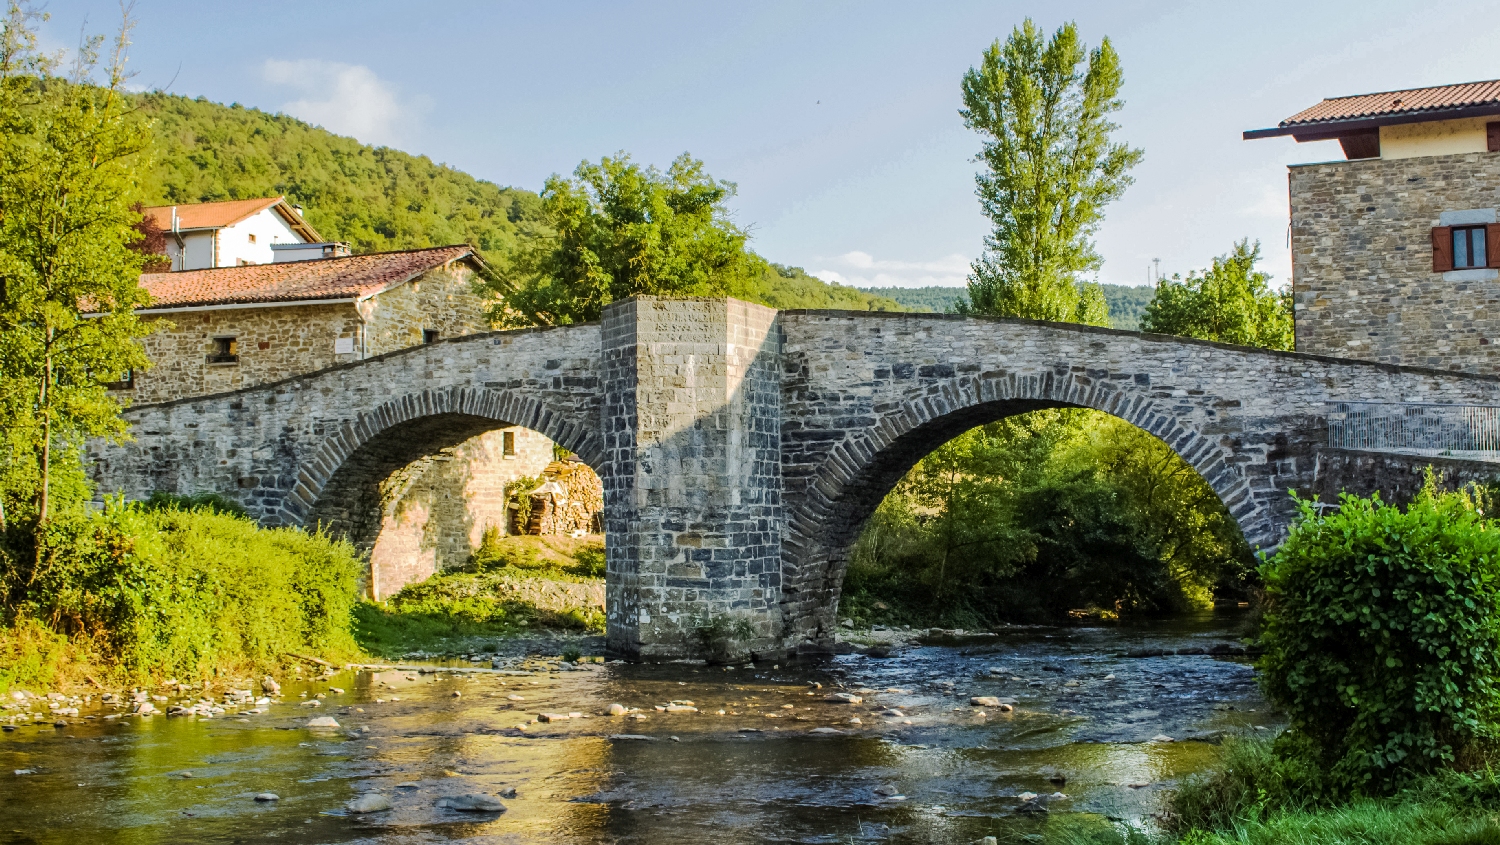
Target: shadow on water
[[921, 765]]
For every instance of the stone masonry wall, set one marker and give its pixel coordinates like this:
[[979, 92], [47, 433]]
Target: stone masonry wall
[[692, 473], [443, 299], [274, 343], [1396, 477], [1362, 262], [435, 511]]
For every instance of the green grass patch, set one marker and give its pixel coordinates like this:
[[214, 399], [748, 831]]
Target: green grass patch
[[457, 612]]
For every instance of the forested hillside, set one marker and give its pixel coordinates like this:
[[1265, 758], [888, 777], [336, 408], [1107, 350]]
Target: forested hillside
[[1126, 302], [375, 198]]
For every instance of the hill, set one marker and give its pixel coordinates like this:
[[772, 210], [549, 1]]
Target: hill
[[375, 198], [1126, 303]]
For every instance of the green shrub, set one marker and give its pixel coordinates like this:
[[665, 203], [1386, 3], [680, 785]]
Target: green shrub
[[1382, 638], [191, 592], [724, 638], [162, 500]]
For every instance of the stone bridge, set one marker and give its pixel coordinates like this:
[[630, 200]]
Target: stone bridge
[[742, 448]]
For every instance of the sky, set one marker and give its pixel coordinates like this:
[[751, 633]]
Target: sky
[[837, 120]]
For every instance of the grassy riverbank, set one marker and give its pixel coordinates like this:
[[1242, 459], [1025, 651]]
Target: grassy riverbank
[[136, 594]]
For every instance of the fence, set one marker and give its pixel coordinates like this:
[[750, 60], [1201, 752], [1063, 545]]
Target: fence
[[1414, 427]]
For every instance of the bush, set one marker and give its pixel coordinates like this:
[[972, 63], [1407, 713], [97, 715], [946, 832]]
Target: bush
[[1382, 638], [189, 593]]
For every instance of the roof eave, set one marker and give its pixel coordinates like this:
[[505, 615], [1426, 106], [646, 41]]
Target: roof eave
[[1329, 129]]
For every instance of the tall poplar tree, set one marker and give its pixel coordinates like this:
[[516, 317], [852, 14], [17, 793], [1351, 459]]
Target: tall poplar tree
[[1042, 106], [69, 279]]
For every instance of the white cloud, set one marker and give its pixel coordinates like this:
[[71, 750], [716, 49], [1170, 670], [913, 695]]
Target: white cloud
[[863, 270], [347, 99]]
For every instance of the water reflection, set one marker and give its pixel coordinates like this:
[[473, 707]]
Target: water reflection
[[920, 766]]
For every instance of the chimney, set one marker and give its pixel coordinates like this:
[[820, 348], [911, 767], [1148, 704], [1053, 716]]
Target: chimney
[[298, 209]]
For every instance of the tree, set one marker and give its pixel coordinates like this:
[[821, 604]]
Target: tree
[[1050, 169], [1231, 302], [69, 278], [620, 230]]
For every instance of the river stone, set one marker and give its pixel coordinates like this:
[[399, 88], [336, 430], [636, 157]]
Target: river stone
[[370, 802], [984, 701], [887, 790], [508, 792], [322, 722], [681, 708], [267, 796], [472, 802], [617, 710], [825, 731], [631, 738], [1162, 738], [552, 717], [843, 698]]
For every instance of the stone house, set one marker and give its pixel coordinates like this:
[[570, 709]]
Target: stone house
[[1396, 248], [238, 232], [222, 329]]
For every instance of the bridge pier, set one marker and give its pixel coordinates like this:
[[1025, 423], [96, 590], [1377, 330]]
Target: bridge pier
[[692, 478]]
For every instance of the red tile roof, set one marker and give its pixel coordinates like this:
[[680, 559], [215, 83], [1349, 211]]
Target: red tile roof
[[351, 277], [217, 215], [1412, 105]]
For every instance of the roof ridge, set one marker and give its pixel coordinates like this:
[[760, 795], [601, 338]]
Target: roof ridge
[[1405, 90]]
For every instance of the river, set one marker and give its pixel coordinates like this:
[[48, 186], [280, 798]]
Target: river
[[782, 764]]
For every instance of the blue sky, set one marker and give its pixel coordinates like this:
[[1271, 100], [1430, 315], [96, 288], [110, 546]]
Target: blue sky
[[838, 120]]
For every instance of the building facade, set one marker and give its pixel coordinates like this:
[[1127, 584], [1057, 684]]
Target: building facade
[[235, 233], [1396, 249]]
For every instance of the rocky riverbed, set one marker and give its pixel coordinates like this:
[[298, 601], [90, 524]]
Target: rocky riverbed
[[900, 741]]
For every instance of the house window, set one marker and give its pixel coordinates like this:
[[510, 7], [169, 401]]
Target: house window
[[126, 381], [252, 239], [1468, 247], [508, 444], [226, 350], [429, 335]]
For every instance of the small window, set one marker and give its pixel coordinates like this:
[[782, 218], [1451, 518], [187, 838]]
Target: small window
[[429, 335], [226, 350], [508, 443], [1468, 247], [125, 382], [252, 239]]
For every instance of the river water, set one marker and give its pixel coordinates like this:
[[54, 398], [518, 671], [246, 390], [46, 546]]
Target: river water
[[921, 765]]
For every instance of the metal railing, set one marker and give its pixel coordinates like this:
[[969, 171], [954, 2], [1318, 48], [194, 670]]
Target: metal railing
[[1420, 427]]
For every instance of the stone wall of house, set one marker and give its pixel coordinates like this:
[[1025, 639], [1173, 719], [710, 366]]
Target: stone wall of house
[[435, 510], [1362, 262], [443, 300], [273, 344]]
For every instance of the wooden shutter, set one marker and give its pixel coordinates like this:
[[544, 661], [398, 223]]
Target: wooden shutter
[[1491, 243], [1492, 135], [1442, 249]]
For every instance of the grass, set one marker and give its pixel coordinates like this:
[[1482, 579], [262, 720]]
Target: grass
[[512, 586]]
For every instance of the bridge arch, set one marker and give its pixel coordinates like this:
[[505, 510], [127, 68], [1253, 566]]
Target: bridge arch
[[841, 496], [408, 427]]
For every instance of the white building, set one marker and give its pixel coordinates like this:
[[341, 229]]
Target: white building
[[239, 232]]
